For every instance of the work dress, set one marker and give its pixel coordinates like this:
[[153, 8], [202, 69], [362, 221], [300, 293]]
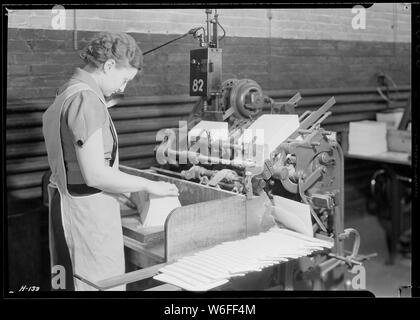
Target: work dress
[[85, 225]]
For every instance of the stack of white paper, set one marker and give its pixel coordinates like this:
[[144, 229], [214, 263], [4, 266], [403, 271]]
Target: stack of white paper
[[271, 130], [154, 210], [159, 209], [367, 138], [213, 267]]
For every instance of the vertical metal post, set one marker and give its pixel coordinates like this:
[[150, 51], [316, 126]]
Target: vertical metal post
[[208, 13], [215, 25], [338, 210]]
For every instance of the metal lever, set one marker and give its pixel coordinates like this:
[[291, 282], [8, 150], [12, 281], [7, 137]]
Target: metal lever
[[313, 117], [292, 102], [337, 260], [248, 185], [302, 195], [363, 257], [222, 174]]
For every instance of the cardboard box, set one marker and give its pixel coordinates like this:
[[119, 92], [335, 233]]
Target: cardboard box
[[392, 118], [367, 137], [399, 140]]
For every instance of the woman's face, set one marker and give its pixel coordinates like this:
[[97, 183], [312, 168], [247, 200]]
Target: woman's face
[[114, 79]]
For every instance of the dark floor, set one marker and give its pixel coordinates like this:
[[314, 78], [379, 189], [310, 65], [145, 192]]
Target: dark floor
[[381, 279]]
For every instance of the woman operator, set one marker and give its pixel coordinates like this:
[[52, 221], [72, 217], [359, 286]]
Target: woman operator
[[82, 145]]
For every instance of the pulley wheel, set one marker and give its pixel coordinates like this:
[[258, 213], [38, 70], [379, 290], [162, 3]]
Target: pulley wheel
[[246, 98]]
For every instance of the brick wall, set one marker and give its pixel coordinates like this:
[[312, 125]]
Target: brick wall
[[279, 48], [389, 22], [41, 60]]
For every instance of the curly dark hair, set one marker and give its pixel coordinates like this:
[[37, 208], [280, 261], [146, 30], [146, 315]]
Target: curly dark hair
[[118, 46]]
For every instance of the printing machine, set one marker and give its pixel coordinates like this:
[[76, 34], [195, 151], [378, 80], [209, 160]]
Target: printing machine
[[224, 198]]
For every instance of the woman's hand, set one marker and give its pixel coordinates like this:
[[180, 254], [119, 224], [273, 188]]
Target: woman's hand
[[162, 189]]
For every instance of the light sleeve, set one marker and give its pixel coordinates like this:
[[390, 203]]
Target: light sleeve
[[84, 115]]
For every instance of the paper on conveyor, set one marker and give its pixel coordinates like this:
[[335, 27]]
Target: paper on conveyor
[[187, 286], [213, 267], [293, 215]]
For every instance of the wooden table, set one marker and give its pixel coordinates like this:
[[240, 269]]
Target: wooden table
[[397, 165], [388, 157], [144, 246]]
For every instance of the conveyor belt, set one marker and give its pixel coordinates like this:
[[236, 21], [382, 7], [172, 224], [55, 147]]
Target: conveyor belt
[[213, 267]]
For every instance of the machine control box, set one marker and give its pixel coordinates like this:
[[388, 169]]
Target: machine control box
[[205, 71]]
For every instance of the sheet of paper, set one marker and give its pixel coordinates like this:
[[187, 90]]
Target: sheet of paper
[[153, 210], [293, 215], [159, 208], [186, 285], [258, 214], [271, 130]]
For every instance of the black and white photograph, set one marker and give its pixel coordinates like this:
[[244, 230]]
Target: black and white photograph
[[209, 149]]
